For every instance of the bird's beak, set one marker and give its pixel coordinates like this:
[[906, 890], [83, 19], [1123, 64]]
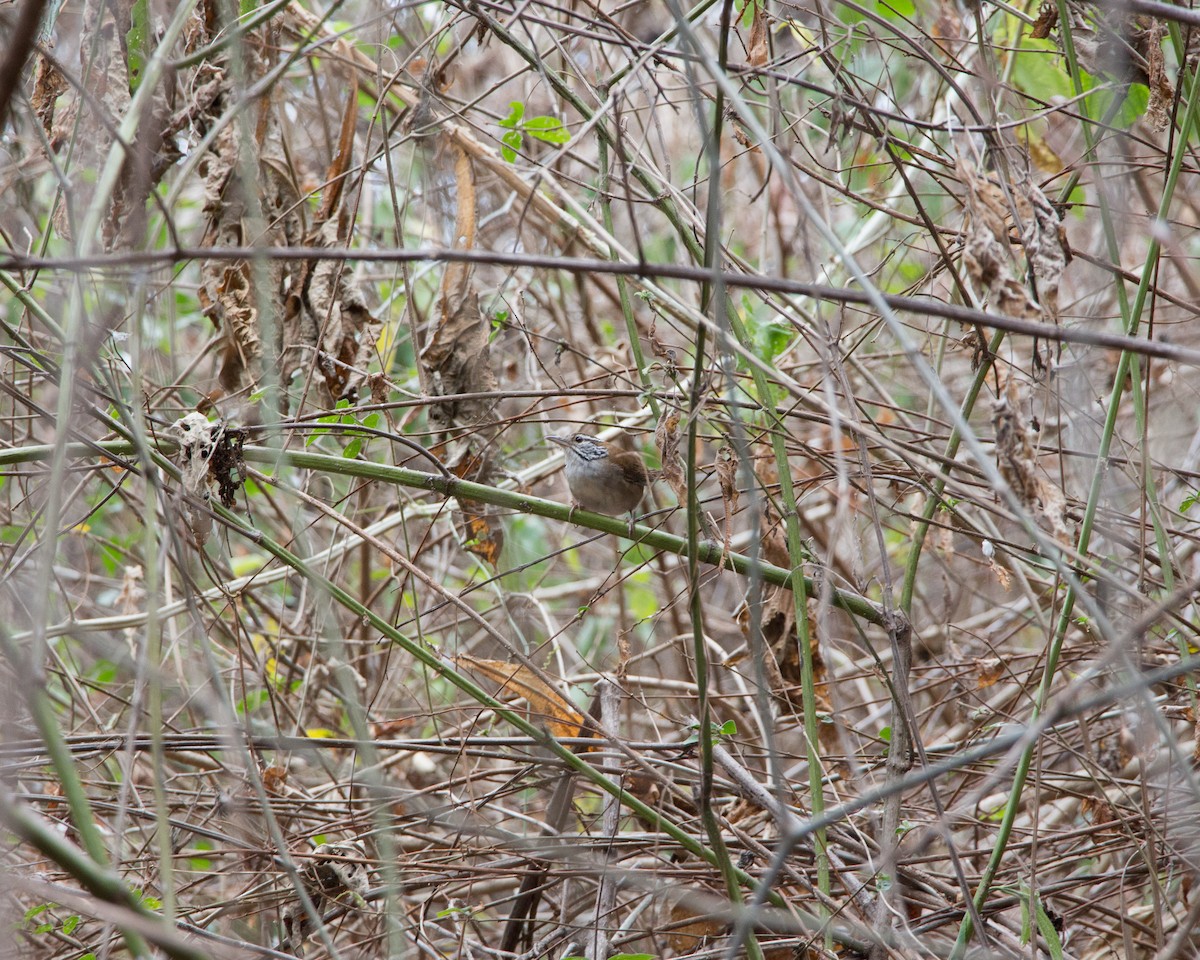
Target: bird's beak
[[561, 441]]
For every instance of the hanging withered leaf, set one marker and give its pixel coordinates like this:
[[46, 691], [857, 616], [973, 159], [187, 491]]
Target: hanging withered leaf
[[757, 48], [482, 532], [1016, 459], [987, 253], [1046, 21], [546, 705], [727, 471], [457, 357], [666, 438], [1158, 110], [783, 663]]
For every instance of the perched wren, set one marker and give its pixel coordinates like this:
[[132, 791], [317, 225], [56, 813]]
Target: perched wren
[[601, 477]]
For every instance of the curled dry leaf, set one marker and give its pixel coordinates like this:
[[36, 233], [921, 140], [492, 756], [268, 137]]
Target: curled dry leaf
[[1045, 241], [666, 438], [327, 315], [456, 359], [546, 705], [988, 670], [274, 779], [325, 334], [987, 251], [87, 124], [727, 471], [783, 664], [757, 48], [231, 291], [691, 927], [1017, 462], [1158, 110], [478, 522], [1046, 21], [48, 85], [334, 311], [1002, 576]]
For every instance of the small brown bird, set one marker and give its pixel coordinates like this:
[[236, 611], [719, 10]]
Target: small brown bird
[[601, 477]]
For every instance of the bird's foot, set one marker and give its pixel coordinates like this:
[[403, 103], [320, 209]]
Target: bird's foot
[[632, 526]]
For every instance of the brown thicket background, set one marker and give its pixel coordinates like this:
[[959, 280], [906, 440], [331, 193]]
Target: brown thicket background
[[303, 655]]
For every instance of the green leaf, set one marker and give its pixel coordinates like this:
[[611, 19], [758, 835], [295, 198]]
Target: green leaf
[[728, 728], [516, 112], [885, 734], [252, 701], [1038, 70], [70, 924], [102, 672], [371, 421], [512, 143], [1049, 934], [1127, 111], [898, 10], [1189, 501], [137, 42], [353, 448], [547, 129]]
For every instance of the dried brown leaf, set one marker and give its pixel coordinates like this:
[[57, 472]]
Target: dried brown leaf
[[783, 663], [689, 930], [757, 48], [1046, 21], [667, 438], [274, 779], [1017, 462], [1162, 94], [86, 125], [727, 471], [1003, 577], [348, 329], [48, 85], [987, 253], [1045, 241], [545, 703], [479, 523], [457, 359], [335, 176], [988, 671]]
